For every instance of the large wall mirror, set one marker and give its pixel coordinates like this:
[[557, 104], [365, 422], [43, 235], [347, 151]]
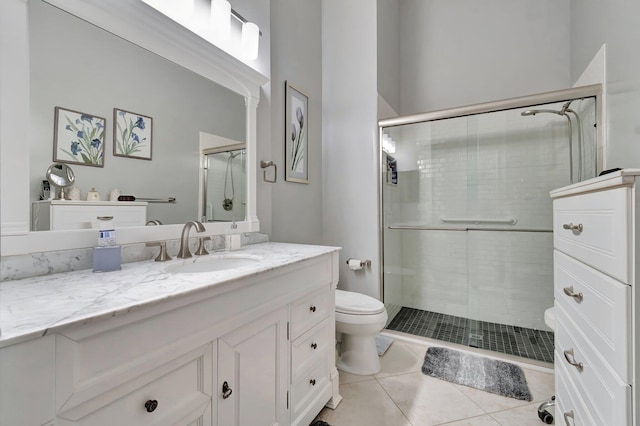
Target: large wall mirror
[[93, 58], [76, 65]]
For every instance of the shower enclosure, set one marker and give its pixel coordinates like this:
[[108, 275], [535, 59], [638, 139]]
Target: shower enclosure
[[224, 185], [466, 218]]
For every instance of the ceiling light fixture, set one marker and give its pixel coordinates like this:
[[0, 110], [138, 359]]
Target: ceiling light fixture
[[221, 18]]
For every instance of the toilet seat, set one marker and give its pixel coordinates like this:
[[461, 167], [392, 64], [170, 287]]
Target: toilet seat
[[351, 303]]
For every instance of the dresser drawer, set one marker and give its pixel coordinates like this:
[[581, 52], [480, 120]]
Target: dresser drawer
[[570, 409], [179, 396], [85, 216], [603, 313], [309, 311], [603, 240], [309, 348], [606, 396]]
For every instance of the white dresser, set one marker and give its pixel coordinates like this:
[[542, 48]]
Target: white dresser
[[595, 228], [56, 215]]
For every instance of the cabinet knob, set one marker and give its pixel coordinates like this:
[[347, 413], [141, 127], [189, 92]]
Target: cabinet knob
[[312, 308], [151, 405], [314, 345], [575, 228], [569, 292], [568, 355], [312, 382], [226, 390]]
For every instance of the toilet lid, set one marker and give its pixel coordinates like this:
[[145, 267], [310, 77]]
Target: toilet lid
[[348, 302]]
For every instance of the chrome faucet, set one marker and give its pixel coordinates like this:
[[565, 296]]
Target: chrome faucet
[[184, 251]]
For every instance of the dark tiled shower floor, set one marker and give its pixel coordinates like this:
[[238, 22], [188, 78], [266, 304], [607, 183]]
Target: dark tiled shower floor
[[508, 339]]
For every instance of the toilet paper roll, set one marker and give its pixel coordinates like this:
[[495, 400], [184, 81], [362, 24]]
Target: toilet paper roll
[[355, 264]]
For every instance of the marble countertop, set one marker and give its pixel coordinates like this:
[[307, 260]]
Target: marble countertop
[[34, 307]]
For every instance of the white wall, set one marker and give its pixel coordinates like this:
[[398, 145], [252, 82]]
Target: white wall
[[296, 56], [349, 63], [389, 52], [615, 23], [459, 52]]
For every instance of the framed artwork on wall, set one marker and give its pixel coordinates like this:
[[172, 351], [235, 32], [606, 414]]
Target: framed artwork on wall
[[132, 134], [78, 138], [296, 132]]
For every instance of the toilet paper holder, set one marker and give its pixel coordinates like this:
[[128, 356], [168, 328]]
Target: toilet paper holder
[[363, 263]]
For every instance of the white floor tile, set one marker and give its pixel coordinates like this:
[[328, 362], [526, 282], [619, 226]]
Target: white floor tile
[[400, 395], [401, 358], [486, 420], [364, 404], [522, 416], [428, 401]]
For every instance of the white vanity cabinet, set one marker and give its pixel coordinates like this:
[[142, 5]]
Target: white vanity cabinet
[[595, 232], [252, 363], [27, 374], [57, 215], [255, 350]]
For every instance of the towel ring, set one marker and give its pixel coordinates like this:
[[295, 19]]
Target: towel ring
[[264, 165]]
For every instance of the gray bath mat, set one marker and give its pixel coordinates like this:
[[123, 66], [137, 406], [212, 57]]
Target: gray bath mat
[[499, 377], [383, 343]]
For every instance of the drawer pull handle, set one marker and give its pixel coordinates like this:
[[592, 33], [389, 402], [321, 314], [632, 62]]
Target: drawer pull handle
[[313, 382], [569, 292], [226, 390], [312, 308], [314, 345], [569, 353], [569, 415], [575, 228], [104, 217], [151, 405]]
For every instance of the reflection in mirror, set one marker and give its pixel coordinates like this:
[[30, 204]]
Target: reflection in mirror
[[224, 185], [61, 176], [76, 65]]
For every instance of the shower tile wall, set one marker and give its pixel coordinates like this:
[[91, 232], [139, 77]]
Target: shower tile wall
[[493, 166]]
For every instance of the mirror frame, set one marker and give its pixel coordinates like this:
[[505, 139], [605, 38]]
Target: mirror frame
[[163, 37]]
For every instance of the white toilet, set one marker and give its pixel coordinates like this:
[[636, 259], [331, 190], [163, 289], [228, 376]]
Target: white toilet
[[359, 318]]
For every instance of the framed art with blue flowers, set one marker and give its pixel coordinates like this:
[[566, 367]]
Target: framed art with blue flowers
[[296, 130], [132, 134], [78, 138]]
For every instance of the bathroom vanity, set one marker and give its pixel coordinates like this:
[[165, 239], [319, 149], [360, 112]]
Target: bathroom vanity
[[252, 344], [596, 229]]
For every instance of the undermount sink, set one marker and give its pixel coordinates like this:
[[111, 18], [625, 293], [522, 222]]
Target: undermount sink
[[212, 264]]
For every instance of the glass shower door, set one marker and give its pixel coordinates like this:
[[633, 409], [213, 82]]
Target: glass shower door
[[467, 221]]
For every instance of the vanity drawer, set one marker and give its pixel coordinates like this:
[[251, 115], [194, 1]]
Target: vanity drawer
[[605, 394], [177, 390], [309, 348], [313, 384], [603, 313], [604, 236], [309, 311], [83, 216]]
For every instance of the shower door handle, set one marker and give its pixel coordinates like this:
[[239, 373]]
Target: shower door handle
[[575, 228]]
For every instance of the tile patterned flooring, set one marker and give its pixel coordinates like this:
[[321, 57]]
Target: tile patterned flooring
[[400, 395], [507, 339]]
